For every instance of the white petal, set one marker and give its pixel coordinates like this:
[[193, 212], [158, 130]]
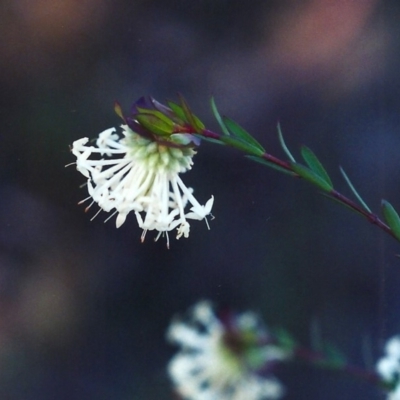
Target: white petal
[[392, 347], [185, 336], [120, 219], [209, 205]]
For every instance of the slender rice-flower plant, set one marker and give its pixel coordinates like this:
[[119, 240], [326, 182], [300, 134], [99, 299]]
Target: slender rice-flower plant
[[223, 358], [139, 170], [388, 367]]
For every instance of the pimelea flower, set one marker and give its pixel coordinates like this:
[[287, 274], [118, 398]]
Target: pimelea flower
[[230, 360], [388, 367], [139, 172]]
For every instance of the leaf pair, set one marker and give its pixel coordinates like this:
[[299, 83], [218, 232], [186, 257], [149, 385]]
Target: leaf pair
[[183, 112], [314, 172], [390, 214], [235, 136]]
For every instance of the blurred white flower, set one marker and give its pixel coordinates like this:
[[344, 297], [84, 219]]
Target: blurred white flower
[[134, 173], [388, 367], [223, 360]]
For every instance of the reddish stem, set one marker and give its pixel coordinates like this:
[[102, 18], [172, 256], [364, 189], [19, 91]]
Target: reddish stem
[[319, 359], [371, 217]]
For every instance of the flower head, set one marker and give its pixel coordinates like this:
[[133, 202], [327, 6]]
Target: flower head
[[228, 359], [388, 367], [139, 172], [175, 124]]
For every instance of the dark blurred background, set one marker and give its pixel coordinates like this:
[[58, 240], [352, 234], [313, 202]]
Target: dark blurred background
[[84, 306]]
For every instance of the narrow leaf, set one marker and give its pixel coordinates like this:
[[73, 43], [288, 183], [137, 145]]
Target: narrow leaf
[[118, 110], [271, 165], [336, 358], [177, 109], [312, 177], [241, 133], [218, 117], [159, 115], [315, 335], [211, 140], [283, 144], [285, 339], [391, 217], [315, 165], [353, 189], [190, 117], [154, 124], [241, 145]]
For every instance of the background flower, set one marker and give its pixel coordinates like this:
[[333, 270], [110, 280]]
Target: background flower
[[216, 361], [388, 367]]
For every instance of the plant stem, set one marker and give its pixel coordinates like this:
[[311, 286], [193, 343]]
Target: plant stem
[[320, 360], [371, 217]]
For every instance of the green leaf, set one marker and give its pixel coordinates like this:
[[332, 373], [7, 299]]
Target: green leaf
[[335, 358], [241, 133], [312, 177], [271, 165], [177, 109], [353, 189], [315, 335], [211, 140], [118, 110], [391, 217], [285, 340], [190, 117], [283, 144], [315, 165], [218, 117], [241, 145], [158, 114], [155, 124]]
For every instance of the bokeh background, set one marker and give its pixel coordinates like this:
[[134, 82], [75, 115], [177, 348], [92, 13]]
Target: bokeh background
[[84, 306]]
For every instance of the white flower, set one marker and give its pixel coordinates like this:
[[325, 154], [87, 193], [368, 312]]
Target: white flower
[[217, 362], [388, 367], [133, 173]]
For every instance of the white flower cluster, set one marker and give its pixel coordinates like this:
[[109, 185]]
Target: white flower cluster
[[208, 368], [133, 173], [388, 367]]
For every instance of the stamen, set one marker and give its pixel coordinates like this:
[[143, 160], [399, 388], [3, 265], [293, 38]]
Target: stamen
[[143, 235], [158, 236], [95, 215], [166, 234], [68, 165], [108, 218], [82, 201], [163, 233], [88, 207]]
